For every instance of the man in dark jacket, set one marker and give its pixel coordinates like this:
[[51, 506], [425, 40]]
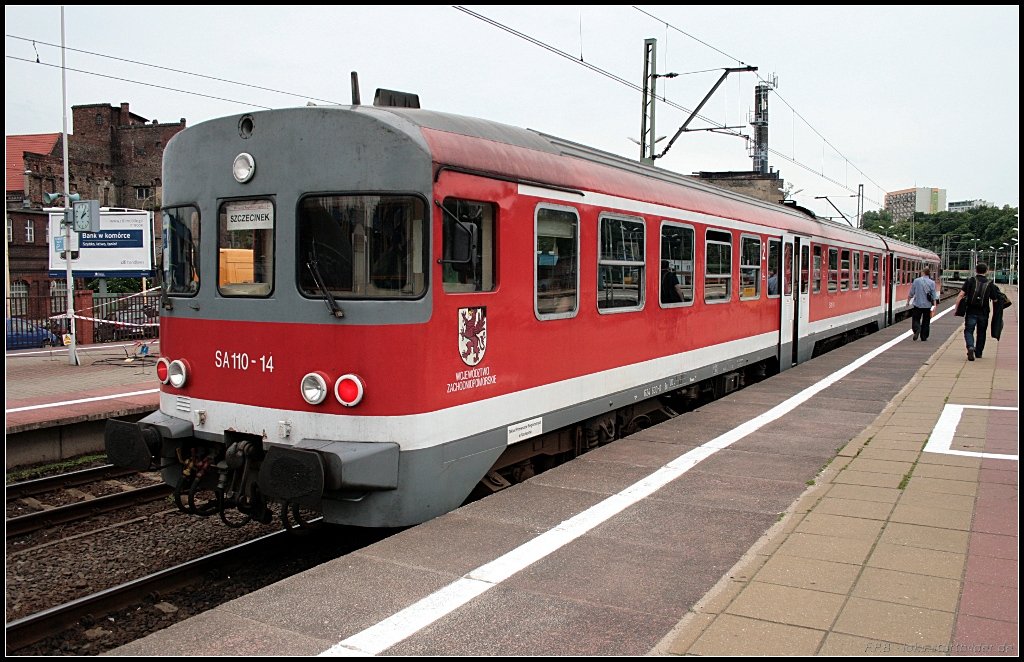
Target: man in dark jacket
[[978, 291]]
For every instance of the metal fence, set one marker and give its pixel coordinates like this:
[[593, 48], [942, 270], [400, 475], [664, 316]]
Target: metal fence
[[99, 318]]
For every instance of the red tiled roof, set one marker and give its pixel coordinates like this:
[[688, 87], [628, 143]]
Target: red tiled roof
[[40, 143]]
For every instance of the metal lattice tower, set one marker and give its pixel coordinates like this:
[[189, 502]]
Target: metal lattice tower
[[647, 116], [759, 153]]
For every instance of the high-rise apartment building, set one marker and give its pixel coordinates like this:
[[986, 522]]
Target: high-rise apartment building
[[903, 204]]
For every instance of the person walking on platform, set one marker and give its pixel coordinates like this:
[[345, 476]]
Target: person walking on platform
[[922, 298], [976, 292]]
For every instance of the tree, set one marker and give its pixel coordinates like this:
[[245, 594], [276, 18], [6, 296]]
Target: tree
[[117, 285]]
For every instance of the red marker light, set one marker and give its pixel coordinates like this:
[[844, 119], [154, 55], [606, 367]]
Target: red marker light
[[349, 390], [163, 370]]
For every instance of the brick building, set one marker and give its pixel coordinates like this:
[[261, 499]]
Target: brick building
[[114, 156]]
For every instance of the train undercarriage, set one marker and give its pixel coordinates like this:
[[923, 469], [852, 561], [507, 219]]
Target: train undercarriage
[[241, 480]]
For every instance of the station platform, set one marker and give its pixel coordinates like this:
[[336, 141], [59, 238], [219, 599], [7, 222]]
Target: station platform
[[863, 503], [55, 409]]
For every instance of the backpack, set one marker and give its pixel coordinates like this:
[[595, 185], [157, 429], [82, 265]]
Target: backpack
[[977, 298]]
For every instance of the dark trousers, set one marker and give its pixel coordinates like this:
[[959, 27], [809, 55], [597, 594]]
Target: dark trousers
[[921, 321], [975, 323]]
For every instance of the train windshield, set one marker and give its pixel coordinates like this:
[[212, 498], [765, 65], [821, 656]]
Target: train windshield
[[181, 250], [362, 246]]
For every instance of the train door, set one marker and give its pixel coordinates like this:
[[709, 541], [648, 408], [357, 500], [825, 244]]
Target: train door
[[795, 292], [889, 282]]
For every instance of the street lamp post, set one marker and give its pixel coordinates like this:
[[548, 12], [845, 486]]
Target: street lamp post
[[73, 345]]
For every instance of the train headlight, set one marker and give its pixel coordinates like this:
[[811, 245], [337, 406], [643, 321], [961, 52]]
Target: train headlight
[[177, 373], [349, 390], [243, 168], [314, 388], [163, 370]]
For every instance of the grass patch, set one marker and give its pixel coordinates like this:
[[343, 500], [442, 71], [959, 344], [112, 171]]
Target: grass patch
[[38, 471], [810, 482]]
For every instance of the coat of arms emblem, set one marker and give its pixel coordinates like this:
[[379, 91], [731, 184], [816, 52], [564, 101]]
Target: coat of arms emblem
[[472, 334]]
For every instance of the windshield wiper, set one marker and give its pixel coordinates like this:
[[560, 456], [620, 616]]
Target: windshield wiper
[[314, 269]]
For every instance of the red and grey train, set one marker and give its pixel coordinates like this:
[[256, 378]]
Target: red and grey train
[[371, 312]]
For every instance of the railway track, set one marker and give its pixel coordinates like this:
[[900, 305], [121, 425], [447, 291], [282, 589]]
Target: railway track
[[18, 526], [36, 627], [29, 488], [22, 495]]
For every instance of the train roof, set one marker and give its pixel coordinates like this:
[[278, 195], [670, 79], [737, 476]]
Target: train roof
[[445, 131], [530, 156]]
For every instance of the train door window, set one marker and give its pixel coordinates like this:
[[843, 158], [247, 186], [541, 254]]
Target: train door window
[[844, 270], [774, 262], [874, 269], [181, 250], [245, 247], [817, 269], [805, 258], [362, 246], [676, 287], [468, 246], [620, 268], [833, 269], [556, 279], [855, 273], [750, 267], [787, 269], [718, 266]]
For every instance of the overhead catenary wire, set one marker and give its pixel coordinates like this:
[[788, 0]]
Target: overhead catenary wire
[[775, 92], [717, 127], [171, 69]]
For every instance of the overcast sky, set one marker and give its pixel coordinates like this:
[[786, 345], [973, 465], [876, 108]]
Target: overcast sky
[[889, 97]]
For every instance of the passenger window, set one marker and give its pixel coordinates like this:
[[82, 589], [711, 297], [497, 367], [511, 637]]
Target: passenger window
[[855, 274], [676, 264], [468, 233], [833, 269], [718, 266], [750, 267], [245, 246], [874, 270], [620, 268], [556, 279]]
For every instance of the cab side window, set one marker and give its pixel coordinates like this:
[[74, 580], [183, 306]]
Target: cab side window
[[468, 232]]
